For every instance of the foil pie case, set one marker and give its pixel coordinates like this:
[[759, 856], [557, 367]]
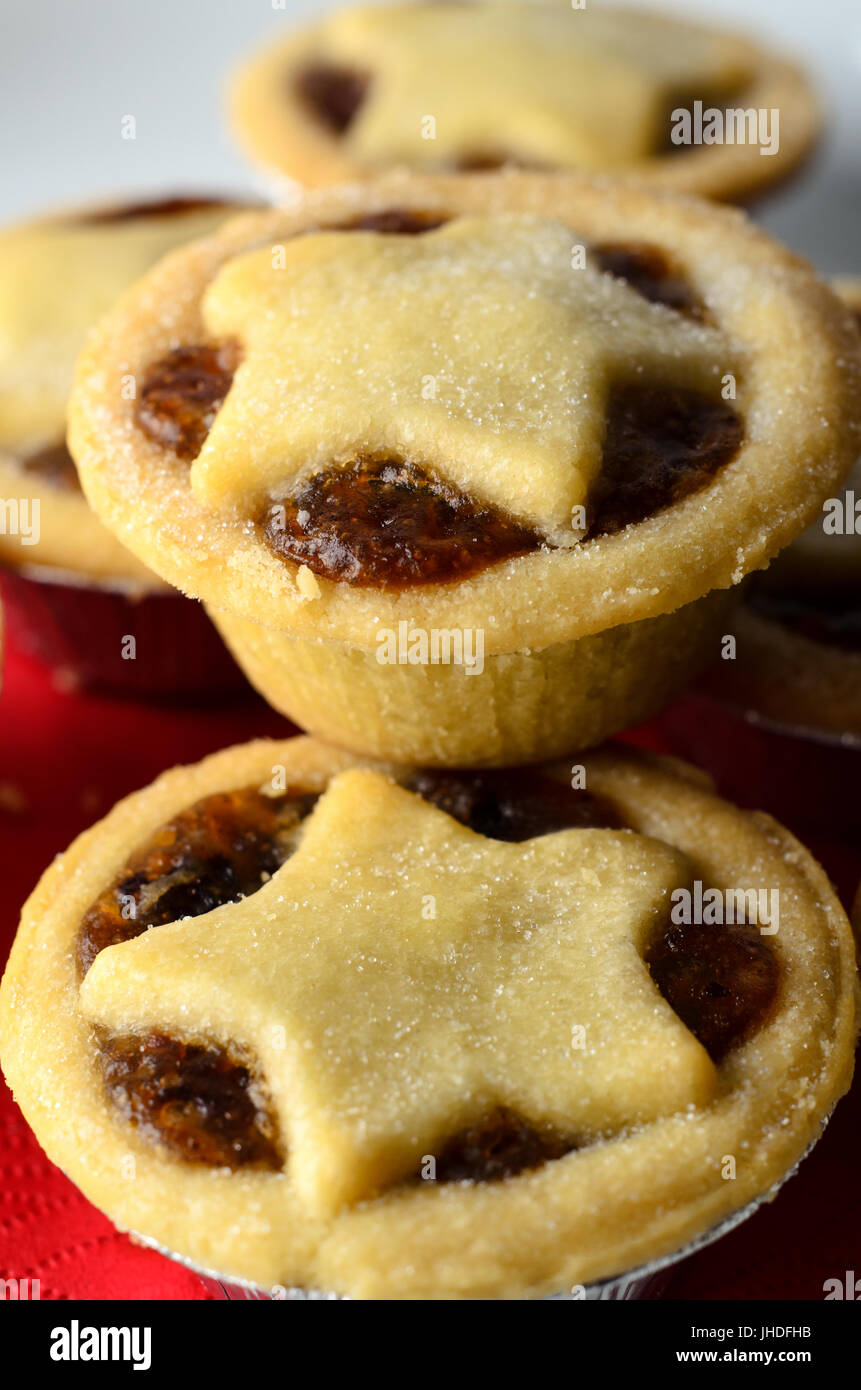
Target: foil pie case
[[647, 1282]]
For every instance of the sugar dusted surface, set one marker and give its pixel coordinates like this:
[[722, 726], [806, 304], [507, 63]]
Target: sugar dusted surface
[[414, 983], [474, 351]]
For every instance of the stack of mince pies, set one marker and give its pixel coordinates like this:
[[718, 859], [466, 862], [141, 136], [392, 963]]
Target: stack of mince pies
[[474, 460]]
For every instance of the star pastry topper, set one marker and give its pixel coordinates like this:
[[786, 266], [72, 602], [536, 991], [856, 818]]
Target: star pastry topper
[[476, 350], [564, 85], [401, 975]]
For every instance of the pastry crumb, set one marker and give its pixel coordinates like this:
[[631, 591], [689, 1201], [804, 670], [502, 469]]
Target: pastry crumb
[[306, 582]]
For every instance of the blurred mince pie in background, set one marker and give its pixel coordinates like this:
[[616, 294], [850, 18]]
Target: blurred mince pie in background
[[73, 591], [798, 633], [549, 86]]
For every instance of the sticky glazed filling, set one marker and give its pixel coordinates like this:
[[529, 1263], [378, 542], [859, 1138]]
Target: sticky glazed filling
[[662, 444], [208, 1104], [203, 1103], [183, 393], [831, 618], [722, 981], [390, 524], [500, 1146], [512, 804], [220, 849], [387, 522]]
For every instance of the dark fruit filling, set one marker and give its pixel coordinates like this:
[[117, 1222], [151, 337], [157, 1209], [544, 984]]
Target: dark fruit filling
[[222, 848], [512, 805], [482, 161], [831, 617], [199, 1101], [159, 207], [56, 465], [396, 222], [183, 393], [724, 100], [499, 1147], [489, 161], [721, 980], [649, 271], [384, 523], [662, 444], [332, 93]]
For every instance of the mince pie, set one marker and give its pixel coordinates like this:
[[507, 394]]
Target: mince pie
[[551, 86], [57, 276], [466, 469], [69, 580], [798, 657], [396, 1033]]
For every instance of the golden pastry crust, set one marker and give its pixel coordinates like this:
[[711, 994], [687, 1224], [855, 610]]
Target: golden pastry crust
[[522, 707], [58, 274], [599, 1211], [754, 506], [632, 69], [818, 559]]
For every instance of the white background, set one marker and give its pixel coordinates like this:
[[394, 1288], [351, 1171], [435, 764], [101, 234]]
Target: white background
[[71, 69]]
